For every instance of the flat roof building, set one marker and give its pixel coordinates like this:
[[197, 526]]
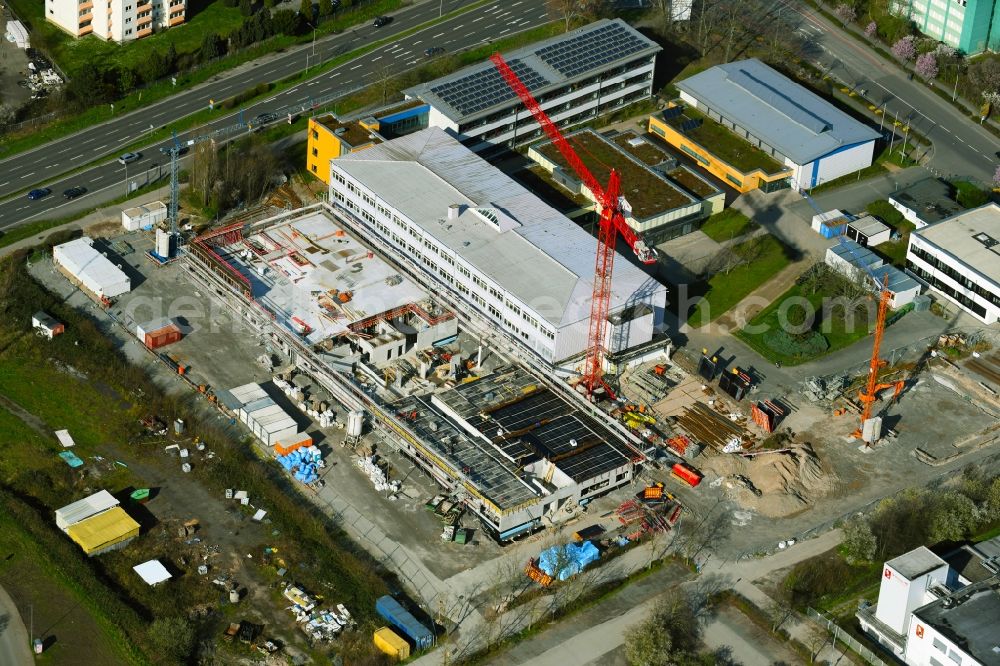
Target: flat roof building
[[491, 242], [859, 263], [960, 258], [784, 119], [663, 203], [925, 202], [575, 76], [927, 616], [90, 269], [87, 507]]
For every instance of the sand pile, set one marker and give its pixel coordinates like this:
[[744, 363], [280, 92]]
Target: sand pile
[[787, 482]]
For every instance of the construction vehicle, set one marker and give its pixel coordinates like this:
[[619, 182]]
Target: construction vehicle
[[612, 225], [654, 492]]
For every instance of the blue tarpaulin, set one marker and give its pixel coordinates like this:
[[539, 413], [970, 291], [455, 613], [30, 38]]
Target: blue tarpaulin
[[302, 463], [571, 557], [71, 459]]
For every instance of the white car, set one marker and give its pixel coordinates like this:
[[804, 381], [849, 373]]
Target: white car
[[128, 158]]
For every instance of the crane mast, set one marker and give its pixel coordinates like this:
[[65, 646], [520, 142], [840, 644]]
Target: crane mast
[[612, 221]]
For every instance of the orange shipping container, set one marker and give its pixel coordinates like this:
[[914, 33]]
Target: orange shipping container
[[286, 446], [163, 336]]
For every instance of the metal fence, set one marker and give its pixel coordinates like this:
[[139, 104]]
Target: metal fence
[[841, 635]]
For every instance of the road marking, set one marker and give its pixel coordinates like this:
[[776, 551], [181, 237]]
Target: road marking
[[28, 174], [355, 67], [76, 157], [376, 58], [101, 147], [413, 62], [2, 184], [502, 15], [440, 34], [503, 31], [478, 18], [471, 34], [543, 16], [416, 42]]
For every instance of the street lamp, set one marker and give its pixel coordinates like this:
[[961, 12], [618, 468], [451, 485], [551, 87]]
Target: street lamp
[[126, 179]]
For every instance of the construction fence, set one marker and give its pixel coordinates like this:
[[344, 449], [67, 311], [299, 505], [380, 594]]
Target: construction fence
[[841, 635]]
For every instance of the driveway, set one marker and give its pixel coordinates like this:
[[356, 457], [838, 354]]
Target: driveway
[[14, 643]]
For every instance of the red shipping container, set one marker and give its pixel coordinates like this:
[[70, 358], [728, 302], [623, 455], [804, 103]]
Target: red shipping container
[[162, 337], [686, 473]]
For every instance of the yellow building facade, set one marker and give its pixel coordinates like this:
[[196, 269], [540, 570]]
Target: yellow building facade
[[742, 181], [329, 138]]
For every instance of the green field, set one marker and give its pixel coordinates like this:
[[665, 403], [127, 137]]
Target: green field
[[727, 225], [767, 256]]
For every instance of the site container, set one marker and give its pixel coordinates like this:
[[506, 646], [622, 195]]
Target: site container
[[390, 643], [401, 618], [286, 445], [162, 337], [686, 474]]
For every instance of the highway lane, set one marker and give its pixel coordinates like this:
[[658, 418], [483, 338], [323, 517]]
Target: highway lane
[[961, 146], [474, 27], [62, 155]]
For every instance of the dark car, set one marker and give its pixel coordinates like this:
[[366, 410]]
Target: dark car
[[265, 118], [74, 192], [433, 51], [39, 193], [381, 21], [180, 151]]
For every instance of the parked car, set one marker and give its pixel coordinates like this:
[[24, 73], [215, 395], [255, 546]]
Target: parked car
[[74, 192], [39, 193], [382, 21], [128, 158], [434, 51], [265, 118]]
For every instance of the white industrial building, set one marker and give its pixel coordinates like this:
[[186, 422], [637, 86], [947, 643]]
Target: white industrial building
[[575, 77], [144, 217], [88, 507], [257, 411], [91, 269], [960, 258], [868, 231], [792, 124], [929, 616], [115, 20], [859, 264], [492, 243]]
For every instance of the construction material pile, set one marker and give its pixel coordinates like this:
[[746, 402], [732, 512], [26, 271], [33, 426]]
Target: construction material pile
[[818, 389], [567, 560], [373, 469], [774, 484], [320, 625], [711, 428], [324, 415], [303, 463]]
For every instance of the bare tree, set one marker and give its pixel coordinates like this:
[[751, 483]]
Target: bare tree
[[571, 10]]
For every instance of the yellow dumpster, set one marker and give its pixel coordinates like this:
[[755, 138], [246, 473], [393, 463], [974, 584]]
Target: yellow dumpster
[[388, 641]]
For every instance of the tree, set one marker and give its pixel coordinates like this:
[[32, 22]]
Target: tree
[[646, 644], [953, 517], [246, 7], [927, 66], [212, 46], [871, 30], [671, 635], [126, 80], [996, 177], [288, 22], [7, 116], [174, 638], [845, 13], [571, 10], [306, 9], [984, 75], [904, 49], [859, 540], [325, 7]]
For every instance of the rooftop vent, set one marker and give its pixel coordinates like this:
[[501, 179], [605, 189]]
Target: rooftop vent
[[985, 239], [453, 211]]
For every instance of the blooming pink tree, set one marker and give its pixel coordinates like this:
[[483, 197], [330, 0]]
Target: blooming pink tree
[[845, 13], [871, 30], [926, 66], [996, 177], [904, 49]]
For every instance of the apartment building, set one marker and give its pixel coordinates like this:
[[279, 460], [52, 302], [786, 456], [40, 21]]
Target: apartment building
[[115, 20], [575, 77], [492, 244], [960, 258], [971, 26]]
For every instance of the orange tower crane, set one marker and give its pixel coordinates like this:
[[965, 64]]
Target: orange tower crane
[[869, 395], [611, 225]]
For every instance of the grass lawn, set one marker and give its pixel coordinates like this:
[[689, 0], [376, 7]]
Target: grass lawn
[[727, 289], [836, 333], [894, 251], [728, 224]]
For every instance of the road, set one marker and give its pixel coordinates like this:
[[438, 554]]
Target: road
[[36, 167], [961, 146], [14, 642]]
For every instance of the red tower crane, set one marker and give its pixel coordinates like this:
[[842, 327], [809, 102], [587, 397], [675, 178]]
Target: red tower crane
[[872, 386], [611, 225]]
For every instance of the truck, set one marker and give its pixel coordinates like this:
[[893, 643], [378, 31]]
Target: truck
[[402, 619]]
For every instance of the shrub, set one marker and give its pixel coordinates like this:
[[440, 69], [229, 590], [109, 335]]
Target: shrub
[[786, 344]]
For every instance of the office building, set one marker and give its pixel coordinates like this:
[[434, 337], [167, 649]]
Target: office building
[[789, 124], [927, 615], [971, 26], [493, 244], [576, 77], [925, 202], [115, 20], [959, 257]]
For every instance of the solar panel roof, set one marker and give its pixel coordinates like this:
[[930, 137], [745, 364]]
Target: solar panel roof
[[485, 88], [591, 50], [542, 66]]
